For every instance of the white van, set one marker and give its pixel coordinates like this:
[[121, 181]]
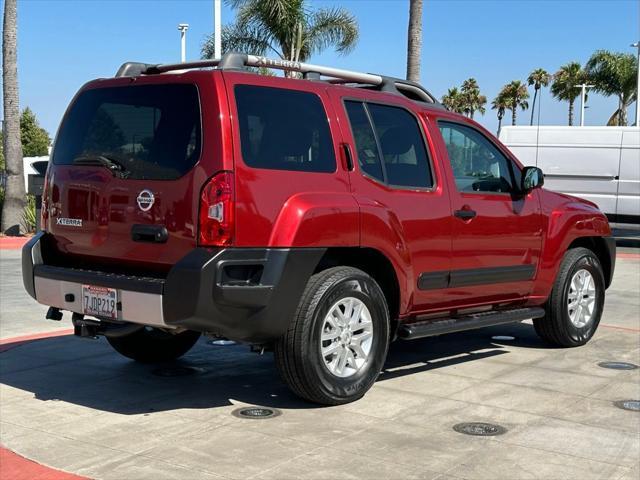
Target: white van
[[601, 164]]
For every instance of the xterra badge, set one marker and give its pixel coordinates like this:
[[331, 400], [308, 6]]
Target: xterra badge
[[69, 222]]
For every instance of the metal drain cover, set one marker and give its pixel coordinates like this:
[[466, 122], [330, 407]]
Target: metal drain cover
[[503, 338], [480, 429], [176, 371], [618, 365], [256, 413], [631, 405], [221, 342]]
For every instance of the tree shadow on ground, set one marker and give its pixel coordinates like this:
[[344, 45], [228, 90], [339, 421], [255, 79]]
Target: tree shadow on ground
[[90, 374]]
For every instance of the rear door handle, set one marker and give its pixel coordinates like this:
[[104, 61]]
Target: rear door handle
[[465, 214], [149, 233], [348, 158]]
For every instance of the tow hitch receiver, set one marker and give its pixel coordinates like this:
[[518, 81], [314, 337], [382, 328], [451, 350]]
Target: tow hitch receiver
[[86, 328]]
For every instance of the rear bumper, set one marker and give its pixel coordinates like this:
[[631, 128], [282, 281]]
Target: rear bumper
[[247, 295]]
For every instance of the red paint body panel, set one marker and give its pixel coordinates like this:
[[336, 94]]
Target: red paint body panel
[[507, 231], [565, 219], [107, 205], [414, 228], [273, 208]]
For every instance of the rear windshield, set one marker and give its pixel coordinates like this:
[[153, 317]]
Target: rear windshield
[[149, 132]]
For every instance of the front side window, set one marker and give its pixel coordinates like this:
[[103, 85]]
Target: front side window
[[478, 166], [149, 132], [284, 130], [389, 144]]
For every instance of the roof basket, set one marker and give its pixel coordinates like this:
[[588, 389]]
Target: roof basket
[[239, 61]]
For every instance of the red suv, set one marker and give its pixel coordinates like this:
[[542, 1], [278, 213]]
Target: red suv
[[320, 216]]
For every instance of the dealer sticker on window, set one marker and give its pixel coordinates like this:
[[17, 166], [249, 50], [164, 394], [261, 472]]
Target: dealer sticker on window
[[100, 301]]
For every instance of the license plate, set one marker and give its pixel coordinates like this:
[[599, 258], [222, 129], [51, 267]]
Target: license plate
[[100, 301]]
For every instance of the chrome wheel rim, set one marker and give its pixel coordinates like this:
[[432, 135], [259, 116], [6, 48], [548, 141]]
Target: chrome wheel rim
[[347, 337], [581, 298]]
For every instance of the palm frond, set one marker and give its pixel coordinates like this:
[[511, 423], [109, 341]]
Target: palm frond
[[613, 73], [332, 26], [565, 81], [240, 37]]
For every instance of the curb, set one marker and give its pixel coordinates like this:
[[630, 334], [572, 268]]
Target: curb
[[13, 342], [16, 467], [13, 243]]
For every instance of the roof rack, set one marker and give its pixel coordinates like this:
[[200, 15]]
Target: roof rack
[[239, 61]]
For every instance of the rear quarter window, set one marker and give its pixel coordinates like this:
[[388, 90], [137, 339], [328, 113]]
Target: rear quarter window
[[284, 130], [152, 131]]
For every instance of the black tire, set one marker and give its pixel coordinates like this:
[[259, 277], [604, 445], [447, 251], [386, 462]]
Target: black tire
[[298, 352], [556, 327], [151, 345]]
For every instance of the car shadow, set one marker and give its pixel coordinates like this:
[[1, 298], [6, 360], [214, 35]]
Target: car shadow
[[89, 373]]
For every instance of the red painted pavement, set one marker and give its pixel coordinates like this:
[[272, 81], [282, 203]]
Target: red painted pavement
[[12, 465], [13, 243], [9, 343], [634, 256], [15, 467]]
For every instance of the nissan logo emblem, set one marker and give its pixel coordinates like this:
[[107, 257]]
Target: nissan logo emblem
[[145, 200]]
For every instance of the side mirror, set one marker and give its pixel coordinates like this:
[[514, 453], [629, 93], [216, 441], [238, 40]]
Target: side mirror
[[532, 177]]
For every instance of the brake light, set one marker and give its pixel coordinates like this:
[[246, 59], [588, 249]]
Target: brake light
[[216, 211], [44, 208]]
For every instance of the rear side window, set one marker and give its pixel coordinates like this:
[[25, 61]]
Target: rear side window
[[284, 130], [149, 132], [390, 144], [365, 140]]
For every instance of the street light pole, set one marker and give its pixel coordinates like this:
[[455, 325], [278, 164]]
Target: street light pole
[[183, 27], [217, 28], [583, 98], [637, 46]]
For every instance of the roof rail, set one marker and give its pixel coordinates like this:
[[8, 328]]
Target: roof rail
[[238, 61]]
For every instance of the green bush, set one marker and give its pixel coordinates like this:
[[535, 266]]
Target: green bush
[[1, 202], [29, 215]]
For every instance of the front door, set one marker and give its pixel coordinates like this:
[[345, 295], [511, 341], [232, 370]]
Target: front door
[[497, 231]]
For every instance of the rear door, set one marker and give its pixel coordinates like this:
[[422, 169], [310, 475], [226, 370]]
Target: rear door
[[127, 168], [399, 188], [497, 232], [291, 188]]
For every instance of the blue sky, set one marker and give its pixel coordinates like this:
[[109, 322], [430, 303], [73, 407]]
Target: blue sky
[[64, 43]]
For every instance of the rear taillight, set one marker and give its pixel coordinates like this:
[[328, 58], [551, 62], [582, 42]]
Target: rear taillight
[[44, 212], [216, 211]]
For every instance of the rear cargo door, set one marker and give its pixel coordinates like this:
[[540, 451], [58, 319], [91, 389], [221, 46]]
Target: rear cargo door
[[127, 168]]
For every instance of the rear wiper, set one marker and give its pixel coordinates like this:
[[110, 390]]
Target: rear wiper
[[100, 160]]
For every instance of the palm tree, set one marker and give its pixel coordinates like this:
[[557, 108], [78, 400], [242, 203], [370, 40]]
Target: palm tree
[[472, 100], [500, 105], [14, 196], [453, 101], [614, 74], [288, 28], [538, 78], [515, 95], [566, 83], [414, 40]]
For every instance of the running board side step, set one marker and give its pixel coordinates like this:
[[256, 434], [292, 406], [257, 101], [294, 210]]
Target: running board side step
[[411, 331]]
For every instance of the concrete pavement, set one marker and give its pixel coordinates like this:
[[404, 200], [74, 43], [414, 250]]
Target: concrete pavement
[[77, 406]]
